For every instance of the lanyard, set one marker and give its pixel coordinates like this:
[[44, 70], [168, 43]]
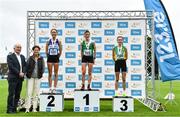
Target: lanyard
[[87, 44], [120, 50]]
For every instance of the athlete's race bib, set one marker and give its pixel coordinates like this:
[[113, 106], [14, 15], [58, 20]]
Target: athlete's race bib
[[120, 56], [87, 53], [53, 51]]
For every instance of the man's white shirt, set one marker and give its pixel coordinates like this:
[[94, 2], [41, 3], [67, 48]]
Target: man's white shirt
[[19, 60]]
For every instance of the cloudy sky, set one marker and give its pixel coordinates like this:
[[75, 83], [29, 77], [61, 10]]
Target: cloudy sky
[[13, 15]]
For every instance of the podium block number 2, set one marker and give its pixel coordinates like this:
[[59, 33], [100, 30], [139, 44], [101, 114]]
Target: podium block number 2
[[86, 97], [124, 106], [51, 102]]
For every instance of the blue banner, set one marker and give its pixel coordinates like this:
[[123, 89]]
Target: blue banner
[[165, 46]]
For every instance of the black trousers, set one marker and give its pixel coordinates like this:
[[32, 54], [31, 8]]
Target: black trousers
[[14, 92]]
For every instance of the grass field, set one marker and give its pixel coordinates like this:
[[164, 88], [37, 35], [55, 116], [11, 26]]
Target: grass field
[[105, 105]]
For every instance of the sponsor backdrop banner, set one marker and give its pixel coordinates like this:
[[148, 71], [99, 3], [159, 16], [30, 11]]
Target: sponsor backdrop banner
[[104, 33]]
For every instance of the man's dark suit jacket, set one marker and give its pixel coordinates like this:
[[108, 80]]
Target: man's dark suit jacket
[[14, 66]]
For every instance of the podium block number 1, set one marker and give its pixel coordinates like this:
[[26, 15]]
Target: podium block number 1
[[86, 97], [86, 101]]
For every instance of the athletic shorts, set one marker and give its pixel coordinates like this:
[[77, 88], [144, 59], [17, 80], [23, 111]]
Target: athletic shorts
[[53, 59], [120, 66], [87, 59]]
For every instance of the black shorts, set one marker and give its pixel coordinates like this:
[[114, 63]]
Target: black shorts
[[120, 66], [87, 59], [53, 59]]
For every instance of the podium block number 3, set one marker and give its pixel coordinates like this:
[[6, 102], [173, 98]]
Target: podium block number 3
[[124, 106], [51, 98], [86, 97]]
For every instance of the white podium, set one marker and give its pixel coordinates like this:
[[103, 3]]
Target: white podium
[[51, 102], [86, 100], [123, 104]]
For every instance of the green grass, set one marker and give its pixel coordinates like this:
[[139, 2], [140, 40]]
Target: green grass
[[106, 105]]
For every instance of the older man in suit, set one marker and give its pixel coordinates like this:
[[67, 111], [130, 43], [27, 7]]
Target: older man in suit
[[16, 64]]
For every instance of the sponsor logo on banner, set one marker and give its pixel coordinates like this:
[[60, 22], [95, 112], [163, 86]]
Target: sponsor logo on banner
[[59, 32], [96, 24], [60, 77], [109, 39], [122, 32], [60, 62], [43, 32], [70, 39], [135, 47], [79, 47], [98, 62], [71, 47], [60, 84], [135, 55], [43, 24], [109, 32], [136, 77], [109, 84], [70, 85], [70, 70], [109, 62], [97, 70], [70, 25], [97, 39], [109, 25], [43, 54], [136, 62], [122, 25], [69, 92], [109, 92], [99, 47], [135, 85], [59, 91], [79, 62], [96, 32], [98, 54], [80, 77], [70, 77], [125, 39], [70, 55], [70, 62], [108, 47], [135, 32], [135, 24], [109, 70], [136, 92], [44, 85], [97, 77], [82, 25], [136, 70], [109, 77], [108, 55], [42, 47], [43, 39], [46, 70], [136, 40], [56, 25], [96, 84], [69, 32], [81, 32], [121, 86]]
